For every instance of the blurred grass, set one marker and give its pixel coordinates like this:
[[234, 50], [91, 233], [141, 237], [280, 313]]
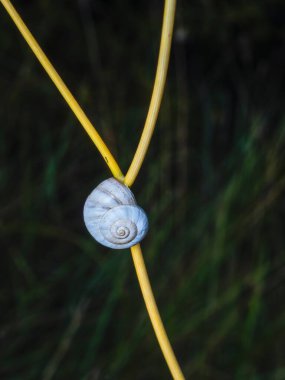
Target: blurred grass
[[213, 185]]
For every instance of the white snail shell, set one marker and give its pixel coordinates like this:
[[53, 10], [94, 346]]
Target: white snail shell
[[113, 217]]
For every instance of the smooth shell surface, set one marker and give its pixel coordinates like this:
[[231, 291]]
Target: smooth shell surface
[[112, 216]]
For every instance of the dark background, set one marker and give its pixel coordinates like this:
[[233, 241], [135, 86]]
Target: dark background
[[212, 184]]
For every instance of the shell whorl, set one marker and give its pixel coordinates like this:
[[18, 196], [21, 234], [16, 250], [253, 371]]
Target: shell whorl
[[113, 217]]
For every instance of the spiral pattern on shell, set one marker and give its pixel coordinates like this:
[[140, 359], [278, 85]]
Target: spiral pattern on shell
[[112, 216]]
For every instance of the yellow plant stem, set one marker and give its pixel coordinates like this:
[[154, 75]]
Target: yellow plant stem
[[159, 83], [111, 162], [69, 98], [154, 313]]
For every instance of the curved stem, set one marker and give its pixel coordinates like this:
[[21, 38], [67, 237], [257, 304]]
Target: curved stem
[[111, 162], [60, 85], [160, 78], [154, 314]]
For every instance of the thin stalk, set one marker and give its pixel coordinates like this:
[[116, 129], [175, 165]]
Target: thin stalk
[[154, 314], [111, 162], [60, 85], [159, 83]]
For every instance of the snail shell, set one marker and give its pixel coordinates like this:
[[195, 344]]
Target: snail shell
[[113, 217]]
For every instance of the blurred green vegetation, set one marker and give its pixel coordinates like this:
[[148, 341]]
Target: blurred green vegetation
[[213, 186]]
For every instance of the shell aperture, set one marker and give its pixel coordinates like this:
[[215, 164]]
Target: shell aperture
[[112, 216]]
